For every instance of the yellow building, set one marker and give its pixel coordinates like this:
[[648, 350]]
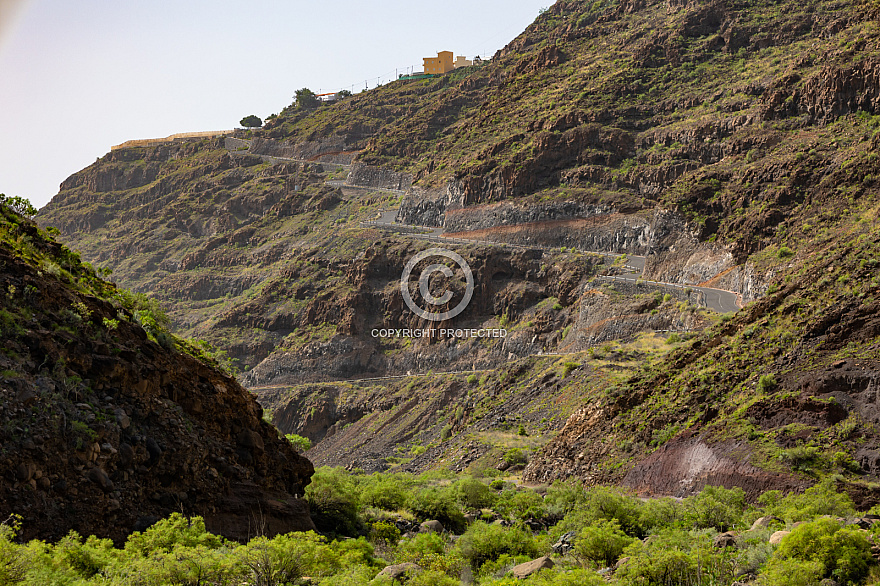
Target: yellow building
[[442, 63], [461, 61]]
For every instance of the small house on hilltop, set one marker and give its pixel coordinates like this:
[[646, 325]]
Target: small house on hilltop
[[442, 63], [461, 61]]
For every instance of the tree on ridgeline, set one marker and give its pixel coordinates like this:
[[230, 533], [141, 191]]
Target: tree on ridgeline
[[305, 99], [251, 121], [19, 205]]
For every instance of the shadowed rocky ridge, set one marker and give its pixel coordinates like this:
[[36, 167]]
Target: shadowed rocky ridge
[[105, 428]]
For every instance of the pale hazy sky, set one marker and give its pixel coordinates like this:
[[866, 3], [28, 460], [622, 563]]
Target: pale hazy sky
[[77, 77]]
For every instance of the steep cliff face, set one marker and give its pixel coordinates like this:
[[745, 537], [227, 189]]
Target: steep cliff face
[[514, 288], [105, 427]]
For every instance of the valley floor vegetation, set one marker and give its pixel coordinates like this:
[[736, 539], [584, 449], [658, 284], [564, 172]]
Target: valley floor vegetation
[[374, 530]]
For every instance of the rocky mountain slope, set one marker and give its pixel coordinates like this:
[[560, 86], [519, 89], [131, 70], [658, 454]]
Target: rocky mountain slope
[[733, 143], [108, 422]]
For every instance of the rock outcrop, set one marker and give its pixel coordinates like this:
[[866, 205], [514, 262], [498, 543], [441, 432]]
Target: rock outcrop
[[106, 429]]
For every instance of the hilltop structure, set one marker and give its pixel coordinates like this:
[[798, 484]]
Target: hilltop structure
[[442, 63]]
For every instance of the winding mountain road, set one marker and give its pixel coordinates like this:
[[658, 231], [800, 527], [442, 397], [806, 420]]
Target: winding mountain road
[[719, 300]]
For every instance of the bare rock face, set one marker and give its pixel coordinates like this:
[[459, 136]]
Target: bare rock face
[[683, 466], [104, 430]]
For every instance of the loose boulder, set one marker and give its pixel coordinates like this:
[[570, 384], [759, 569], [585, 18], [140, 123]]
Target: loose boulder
[[777, 537], [523, 571], [431, 527], [727, 539], [764, 522], [398, 572]]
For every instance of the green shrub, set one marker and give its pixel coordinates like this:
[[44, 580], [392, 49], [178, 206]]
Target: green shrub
[[674, 556], [86, 558], [601, 543], [175, 530], [472, 379], [844, 552], [482, 543], [437, 504], [716, 507], [423, 549], [432, 578], [473, 494], [13, 562], [270, 561], [333, 501], [521, 505], [387, 492], [569, 577], [515, 456], [601, 502], [785, 252], [446, 432], [766, 383], [563, 496], [661, 512], [780, 572], [300, 444], [568, 367], [384, 532], [821, 499], [522, 430], [673, 339]]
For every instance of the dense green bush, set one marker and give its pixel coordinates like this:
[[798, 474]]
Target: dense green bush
[[575, 577], [384, 532], [437, 504], [515, 456], [333, 501], [674, 556], [677, 547], [716, 507], [388, 492], [603, 503], [563, 497], [821, 499], [483, 542], [661, 512], [300, 444], [844, 552], [13, 567], [601, 543], [174, 531], [791, 573], [473, 494], [520, 505], [766, 383]]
